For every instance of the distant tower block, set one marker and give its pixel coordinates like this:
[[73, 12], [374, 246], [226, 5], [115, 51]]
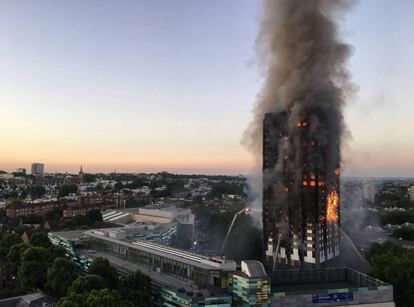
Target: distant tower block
[[369, 191], [38, 169], [300, 195]]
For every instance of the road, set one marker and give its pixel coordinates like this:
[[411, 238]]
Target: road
[[364, 239]]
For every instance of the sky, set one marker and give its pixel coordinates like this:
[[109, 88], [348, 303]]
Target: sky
[[150, 85]]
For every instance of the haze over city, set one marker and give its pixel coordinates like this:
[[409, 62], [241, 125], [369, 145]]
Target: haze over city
[[151, 85]]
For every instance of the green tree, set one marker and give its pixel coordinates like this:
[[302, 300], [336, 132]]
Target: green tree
[[395, 265], [175, 184], [94, 216], [7, 240], [14, 257], [60, 276], [118, 186], [37, 191], [87, 283], [405, 232], [40, 239], [104, 297], [99, 187], [223, 188], [96, 298], [33, 268], [378, 249], [72, 300], [54, 217], [135, 288], [89, 178], [398, 270], [397, 217], [57, 252], [67, 189], [136, 183], [103, 268]]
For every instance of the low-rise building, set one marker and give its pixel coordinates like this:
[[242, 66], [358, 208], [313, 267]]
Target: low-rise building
[[33, 209], [36, 299], [78, 206], [181, 193], [250, 286], [185, 279], [85, 204], [152, 232]]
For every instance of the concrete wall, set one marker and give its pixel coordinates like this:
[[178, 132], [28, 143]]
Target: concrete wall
[[362, 296]]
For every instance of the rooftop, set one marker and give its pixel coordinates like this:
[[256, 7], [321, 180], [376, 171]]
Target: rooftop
[[207, 263], [253, 268], [70, 235], [308, 281], [161, 279], [37, 299]]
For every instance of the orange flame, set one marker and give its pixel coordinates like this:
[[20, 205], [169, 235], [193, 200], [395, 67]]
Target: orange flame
[[338, 171], [312, 183], [332, 207]]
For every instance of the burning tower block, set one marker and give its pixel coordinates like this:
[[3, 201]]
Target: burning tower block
[[301, 161]]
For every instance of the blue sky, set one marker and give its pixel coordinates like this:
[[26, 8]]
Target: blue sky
[[155, 84]]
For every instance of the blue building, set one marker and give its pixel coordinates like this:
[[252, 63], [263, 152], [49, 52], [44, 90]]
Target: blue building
[[251, 286]]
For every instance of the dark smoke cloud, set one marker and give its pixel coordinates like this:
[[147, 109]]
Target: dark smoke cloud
[[304, 65]]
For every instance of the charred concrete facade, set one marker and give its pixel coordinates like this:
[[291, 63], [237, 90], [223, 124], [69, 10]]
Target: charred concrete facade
[[300, 191]]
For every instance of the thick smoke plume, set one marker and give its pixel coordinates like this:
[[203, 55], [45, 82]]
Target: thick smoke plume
[[303, 61]]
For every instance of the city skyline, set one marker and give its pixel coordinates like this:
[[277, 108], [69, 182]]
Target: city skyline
[[119, 88]]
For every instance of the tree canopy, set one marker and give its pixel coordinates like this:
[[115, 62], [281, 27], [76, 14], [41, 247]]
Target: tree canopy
[[67, 189], [14, 257], [103, 268], [104, 297], [33, 269], [60, 276], [7, 240], [135, 288], [40, 239], [395, 265], [87, 283], [37, 191], [95, 298], [405, 233]]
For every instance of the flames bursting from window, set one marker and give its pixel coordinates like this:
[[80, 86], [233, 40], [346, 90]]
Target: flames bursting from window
[[332, 207]]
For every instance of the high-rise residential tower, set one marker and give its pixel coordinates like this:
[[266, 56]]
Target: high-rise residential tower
[[300, 192], [38, 168]]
